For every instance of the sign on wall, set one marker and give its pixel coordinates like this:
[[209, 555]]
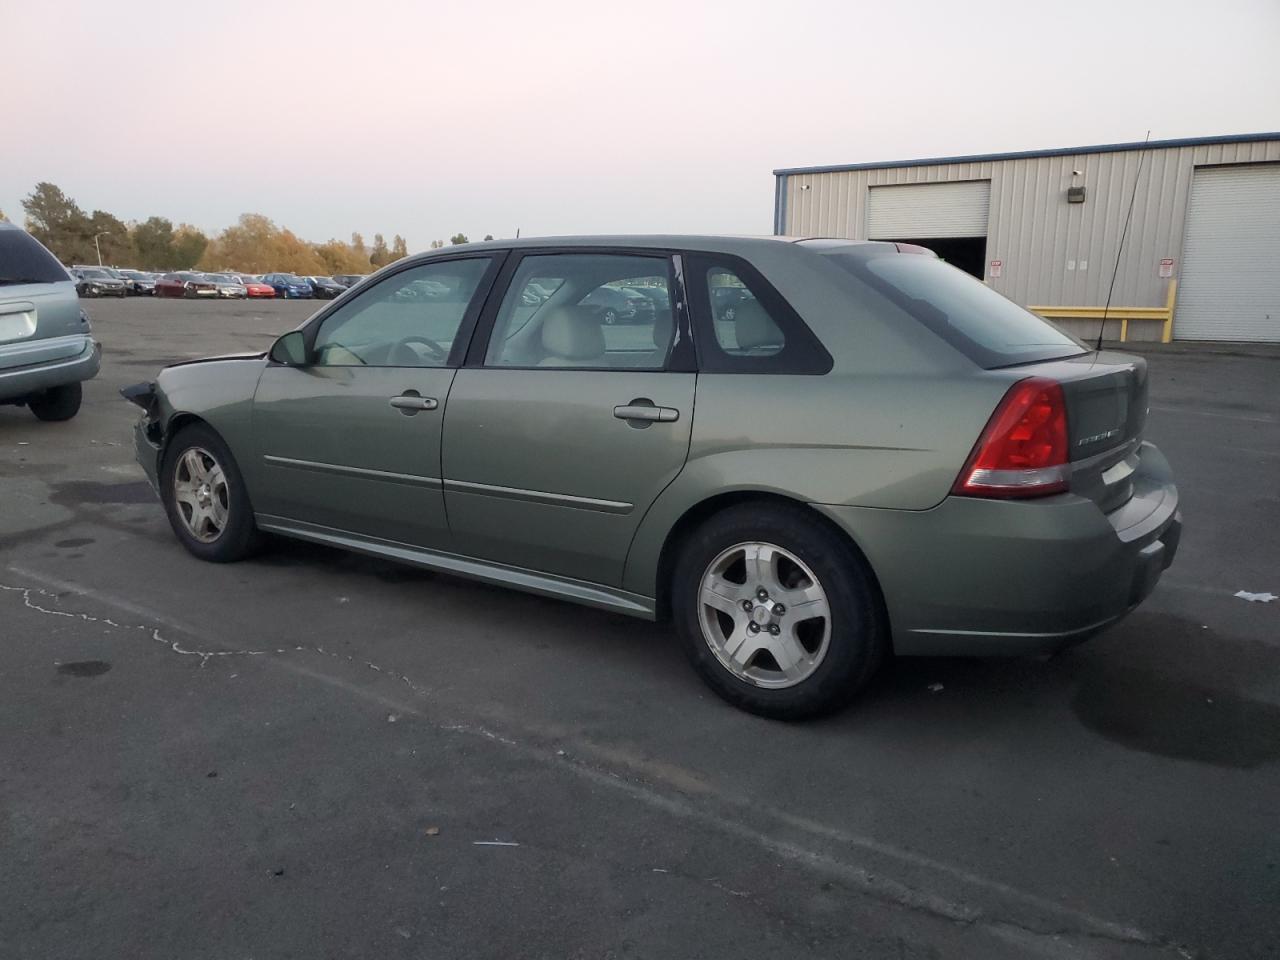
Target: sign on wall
[[996, 267], [1166, 268]]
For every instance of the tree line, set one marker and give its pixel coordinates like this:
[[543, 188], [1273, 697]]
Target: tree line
[[254, 244]]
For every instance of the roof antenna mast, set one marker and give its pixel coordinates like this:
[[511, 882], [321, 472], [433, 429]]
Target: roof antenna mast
[[1123, 233]]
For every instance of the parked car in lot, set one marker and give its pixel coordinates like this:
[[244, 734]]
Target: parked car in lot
[[46, 347], [288, 287], [229, 286], [255, 288], [138, 283], [98, 282], [186, 284], [724, 301], [348, 279], [325, 288], [619, 305], [877, 454]]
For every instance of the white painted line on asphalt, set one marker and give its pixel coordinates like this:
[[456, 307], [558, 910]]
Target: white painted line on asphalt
[[870, 883]]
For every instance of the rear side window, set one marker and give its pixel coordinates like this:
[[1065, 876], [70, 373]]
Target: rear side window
[[743, 325], [595, 311], [24, 260], [986, 327]]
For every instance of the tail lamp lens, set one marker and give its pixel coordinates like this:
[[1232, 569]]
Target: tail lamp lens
[[1024, 449]]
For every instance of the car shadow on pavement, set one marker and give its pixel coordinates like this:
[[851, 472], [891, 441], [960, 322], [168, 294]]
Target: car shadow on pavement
[[1156, 684]]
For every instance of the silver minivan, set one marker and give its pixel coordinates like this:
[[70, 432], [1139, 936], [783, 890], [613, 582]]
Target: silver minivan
[[46, 350]]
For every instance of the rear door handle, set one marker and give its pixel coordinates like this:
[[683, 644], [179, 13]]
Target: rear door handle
[[646, 411], [411, 403]]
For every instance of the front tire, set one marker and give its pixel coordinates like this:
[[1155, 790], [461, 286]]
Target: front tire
[[815, 631], [205, 497], [57, 403]]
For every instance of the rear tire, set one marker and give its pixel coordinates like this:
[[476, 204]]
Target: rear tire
[[57, 403], [796, 663], [205, 497]]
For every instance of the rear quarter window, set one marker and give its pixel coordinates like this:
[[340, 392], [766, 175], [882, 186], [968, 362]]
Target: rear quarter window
[[989, 329], [743, 325]]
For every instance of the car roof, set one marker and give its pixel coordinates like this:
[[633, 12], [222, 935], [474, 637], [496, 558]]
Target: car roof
[[710, 243]]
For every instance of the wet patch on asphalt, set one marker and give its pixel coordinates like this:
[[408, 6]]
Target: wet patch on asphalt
[[75, 542], [72, 493], [84, 668], [1145, 711]]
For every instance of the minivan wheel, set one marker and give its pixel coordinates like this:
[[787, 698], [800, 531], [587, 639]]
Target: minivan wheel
[[57, 403], [777, 612], [205, 498]]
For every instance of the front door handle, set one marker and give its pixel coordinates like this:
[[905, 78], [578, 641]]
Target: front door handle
[[644, 411], [410, 403]]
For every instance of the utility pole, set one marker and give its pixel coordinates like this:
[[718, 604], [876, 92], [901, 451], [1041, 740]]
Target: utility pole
[[104, 233]]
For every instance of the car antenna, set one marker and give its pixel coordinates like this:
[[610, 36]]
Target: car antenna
[[1120, 249]]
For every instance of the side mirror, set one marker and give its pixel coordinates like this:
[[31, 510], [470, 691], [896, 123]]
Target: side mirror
[[290, 350]]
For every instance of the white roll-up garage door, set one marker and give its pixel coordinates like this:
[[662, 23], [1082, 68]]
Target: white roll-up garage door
[[1230, 283], [928, 210]]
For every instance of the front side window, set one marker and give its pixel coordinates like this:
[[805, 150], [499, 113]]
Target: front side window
[[585, 310], [410, 319]]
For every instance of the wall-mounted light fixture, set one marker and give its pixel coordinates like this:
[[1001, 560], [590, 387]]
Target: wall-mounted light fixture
[[1075, 194]]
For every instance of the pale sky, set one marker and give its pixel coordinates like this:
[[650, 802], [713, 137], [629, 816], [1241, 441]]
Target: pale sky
[[425, 118]]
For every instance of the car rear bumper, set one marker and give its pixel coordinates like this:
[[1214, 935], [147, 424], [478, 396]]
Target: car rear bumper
[[975, 577], [17, 382]]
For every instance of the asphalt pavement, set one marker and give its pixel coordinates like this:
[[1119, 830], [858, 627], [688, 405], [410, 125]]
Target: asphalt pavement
[[315, 754]]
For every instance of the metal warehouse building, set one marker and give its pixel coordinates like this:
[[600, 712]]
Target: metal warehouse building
[[1201, 260]]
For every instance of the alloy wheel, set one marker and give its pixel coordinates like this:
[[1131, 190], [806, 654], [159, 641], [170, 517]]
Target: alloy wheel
[[764, 615], [201, 494]]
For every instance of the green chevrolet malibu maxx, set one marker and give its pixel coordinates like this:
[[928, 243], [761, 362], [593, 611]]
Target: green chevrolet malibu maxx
[[806, 453]]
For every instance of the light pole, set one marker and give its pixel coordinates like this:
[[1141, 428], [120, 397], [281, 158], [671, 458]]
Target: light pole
[[103, 233]]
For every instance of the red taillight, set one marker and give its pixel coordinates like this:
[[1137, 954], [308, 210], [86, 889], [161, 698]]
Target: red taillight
[[1023, 452]]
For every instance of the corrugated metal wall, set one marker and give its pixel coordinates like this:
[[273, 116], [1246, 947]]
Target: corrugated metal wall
[[1034, 231]]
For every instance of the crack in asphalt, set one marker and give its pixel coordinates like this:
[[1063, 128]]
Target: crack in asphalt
[[864, 880]]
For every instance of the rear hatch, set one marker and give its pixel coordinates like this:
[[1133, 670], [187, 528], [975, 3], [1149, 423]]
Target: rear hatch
[[1106, 395], [40, 314]]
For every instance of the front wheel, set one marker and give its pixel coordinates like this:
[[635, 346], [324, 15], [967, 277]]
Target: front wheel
[[57, 403], [205, 497], [778, 613]]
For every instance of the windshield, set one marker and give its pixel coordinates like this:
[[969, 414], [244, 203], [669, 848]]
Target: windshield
[[986, 327], [97, 274], [24, 260]]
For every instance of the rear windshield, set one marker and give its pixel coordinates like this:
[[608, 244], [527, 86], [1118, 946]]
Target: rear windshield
[[23, 260], [989, 329]]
